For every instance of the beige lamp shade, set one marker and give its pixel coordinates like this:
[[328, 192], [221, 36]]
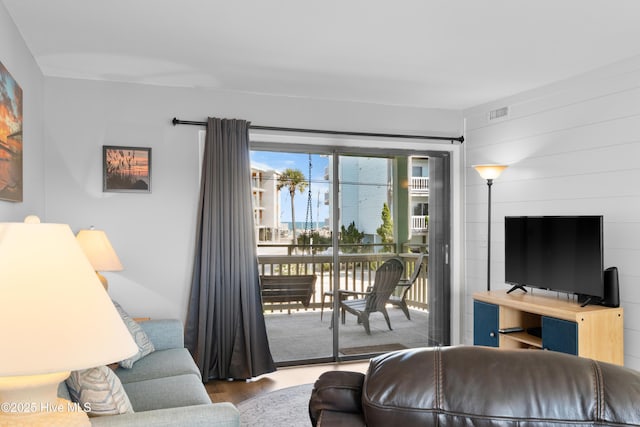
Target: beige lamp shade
[[55, 315], [98, 249], [490, 171]]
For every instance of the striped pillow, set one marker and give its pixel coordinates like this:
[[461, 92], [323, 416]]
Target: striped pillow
[[145, 346], [99, 391]]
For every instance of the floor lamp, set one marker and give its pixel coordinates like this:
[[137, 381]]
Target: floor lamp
[[489, 172]]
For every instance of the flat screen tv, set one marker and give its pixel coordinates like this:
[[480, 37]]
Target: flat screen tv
[[561, 253]]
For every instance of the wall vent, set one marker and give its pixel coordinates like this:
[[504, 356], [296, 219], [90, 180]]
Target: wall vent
[[499, 113]]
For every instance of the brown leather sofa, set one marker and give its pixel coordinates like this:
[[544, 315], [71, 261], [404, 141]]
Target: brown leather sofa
[[480, 387]]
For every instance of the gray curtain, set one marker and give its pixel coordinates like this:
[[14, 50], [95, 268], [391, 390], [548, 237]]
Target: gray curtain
[[225, 329], [439, 272]]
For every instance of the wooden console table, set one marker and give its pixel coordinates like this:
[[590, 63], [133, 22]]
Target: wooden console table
[[549, 323]]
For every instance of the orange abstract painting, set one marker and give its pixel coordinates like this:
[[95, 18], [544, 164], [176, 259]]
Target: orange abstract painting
[[10, 137]]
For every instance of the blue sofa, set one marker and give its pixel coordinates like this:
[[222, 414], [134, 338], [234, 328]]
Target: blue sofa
[[165, 387]]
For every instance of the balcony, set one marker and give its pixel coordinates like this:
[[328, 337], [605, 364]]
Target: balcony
[[419, 223], [357, 272], [257, 184], [420, 184], [297, 333]]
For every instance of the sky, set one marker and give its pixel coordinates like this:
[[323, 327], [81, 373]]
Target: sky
[[280, 161]]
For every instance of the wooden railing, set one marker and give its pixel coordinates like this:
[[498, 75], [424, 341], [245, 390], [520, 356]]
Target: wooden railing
[[305, 248], [357, 273]]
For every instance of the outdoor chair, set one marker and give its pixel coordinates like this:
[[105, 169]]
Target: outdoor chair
[[343, 295], [399, 294], [385, 281]]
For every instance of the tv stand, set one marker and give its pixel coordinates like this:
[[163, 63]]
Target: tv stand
[[592, 331], [516, 287]]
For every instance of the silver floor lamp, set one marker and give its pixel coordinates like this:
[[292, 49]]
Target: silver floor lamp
[[489, 172]]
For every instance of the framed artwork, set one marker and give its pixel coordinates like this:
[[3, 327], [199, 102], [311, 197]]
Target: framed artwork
[[10, 137], [126, 169]]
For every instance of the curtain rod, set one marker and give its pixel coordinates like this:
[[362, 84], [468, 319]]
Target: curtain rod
[[460, 139]]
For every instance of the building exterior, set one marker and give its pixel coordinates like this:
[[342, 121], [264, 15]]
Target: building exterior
[[366, 184], [266, 204], [419, 195]]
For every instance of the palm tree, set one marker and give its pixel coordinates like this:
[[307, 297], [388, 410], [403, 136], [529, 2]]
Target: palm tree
[[292, 179]]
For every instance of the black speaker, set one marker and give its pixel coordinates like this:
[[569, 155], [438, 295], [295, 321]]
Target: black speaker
[[611, 288]]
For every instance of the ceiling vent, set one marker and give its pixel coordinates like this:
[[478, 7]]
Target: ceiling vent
[[500, 113]]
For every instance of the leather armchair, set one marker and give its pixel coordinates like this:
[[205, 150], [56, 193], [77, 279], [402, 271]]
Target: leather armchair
[[478, 386]]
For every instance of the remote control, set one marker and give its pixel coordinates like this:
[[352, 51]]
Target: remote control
[[510, 330]]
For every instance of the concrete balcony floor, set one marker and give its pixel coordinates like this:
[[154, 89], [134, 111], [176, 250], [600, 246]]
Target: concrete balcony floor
[[302, 335]]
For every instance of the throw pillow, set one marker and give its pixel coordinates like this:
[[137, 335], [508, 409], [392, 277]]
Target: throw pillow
[[98, 391], [145, 346]]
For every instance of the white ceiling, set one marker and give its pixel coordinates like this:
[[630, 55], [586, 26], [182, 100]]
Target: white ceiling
[[449, 54]]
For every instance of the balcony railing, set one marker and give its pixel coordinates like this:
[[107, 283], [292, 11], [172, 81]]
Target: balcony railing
[[419, 223], [419, 184], [257, 184], [357, 273]]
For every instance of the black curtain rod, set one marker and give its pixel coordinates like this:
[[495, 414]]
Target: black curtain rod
[[460, 139]]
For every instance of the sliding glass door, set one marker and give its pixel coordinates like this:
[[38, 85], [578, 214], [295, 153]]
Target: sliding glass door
[[327, 222], [375, 203], [292, 218]]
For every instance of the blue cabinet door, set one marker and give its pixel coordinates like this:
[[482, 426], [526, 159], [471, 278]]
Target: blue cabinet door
[[559, 335], [485, 324]]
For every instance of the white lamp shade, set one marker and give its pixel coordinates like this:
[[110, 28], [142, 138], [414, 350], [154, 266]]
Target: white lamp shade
[[98, 249], [55, 314], [490, 171]]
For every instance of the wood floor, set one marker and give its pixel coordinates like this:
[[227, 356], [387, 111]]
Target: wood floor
[[237, 391]]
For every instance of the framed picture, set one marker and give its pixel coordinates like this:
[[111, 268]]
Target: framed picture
[[126, 169], [10, 137]]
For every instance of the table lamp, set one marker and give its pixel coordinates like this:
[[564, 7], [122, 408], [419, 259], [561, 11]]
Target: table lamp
[[489, 172], [55, 318], [98, 249]]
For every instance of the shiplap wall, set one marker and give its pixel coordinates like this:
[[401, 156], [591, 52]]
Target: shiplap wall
[[572, 148]]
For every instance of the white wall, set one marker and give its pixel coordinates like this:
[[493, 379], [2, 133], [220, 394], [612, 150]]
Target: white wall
[[18, 60], [573, 148], [153, 233]]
